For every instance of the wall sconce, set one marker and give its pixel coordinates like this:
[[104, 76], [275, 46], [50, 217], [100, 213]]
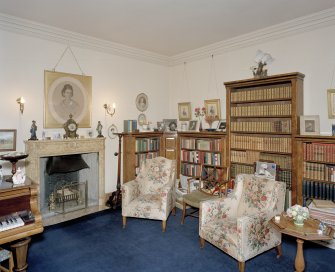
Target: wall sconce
[[21, 102], [110, 109]]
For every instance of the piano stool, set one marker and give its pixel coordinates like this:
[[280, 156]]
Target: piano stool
[[20, 251], [6, 255]]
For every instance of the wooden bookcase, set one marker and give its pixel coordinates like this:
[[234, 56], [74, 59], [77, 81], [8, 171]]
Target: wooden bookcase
[[198, 148], [262, 120], [314, 160], [136, 147]]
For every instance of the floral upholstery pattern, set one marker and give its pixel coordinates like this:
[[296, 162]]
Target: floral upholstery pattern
[[238, 224], [152, 194]]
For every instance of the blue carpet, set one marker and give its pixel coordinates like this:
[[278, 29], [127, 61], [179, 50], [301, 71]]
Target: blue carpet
[[98, 243]]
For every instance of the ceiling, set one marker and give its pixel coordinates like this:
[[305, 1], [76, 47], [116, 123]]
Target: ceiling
[[166, 27]]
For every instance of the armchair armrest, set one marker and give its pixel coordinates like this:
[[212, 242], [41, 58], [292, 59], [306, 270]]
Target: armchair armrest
[[130, 191]]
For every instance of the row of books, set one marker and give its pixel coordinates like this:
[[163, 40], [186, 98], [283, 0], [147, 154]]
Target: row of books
[[147, 144], [316, 189], [319, 171], [262, 126], [129, 125], [249, 157], [202, 144], [201, 157], [322, 152], [192, 170], [142, 157], [262, 143], [266, 93], [262, 110]]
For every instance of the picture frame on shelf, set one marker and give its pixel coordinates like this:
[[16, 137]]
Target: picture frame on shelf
[[141, 119], [66, 94], [333, 129], [170, 124], [7, 139], [213, 108], [222, 125], [193, 125], [142, 102], [331, 103], [310, 125], [184, 111], [266, 169], [160, 126]]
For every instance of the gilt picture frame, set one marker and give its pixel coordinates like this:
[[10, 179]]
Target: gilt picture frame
[[331, 103], [213, 108], [184, 111], [66, 94], [7, 140]]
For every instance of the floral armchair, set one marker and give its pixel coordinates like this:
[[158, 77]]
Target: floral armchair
[[238, 224], [152, 194]]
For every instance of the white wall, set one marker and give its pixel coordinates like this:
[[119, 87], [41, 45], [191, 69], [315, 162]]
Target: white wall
[[311, 53], [23, 60]]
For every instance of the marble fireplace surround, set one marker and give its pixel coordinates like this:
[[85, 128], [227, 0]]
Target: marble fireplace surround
[[47, 148]]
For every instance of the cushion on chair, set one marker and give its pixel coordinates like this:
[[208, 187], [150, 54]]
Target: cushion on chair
[[150, 201], [154, 175], [193, 199]]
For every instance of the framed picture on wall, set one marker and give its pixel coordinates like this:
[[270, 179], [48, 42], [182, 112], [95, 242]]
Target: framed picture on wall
[[331, 103], [184, 111], [213, 108], [67, 94], [310, 125], [7, 139]]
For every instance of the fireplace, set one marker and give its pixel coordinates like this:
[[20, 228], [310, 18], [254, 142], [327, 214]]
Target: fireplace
[[70, 177]]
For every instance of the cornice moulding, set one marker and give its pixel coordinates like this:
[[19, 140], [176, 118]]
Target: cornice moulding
[[300, 25], [30, 28]]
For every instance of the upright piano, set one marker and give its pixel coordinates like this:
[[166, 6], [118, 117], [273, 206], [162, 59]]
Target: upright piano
[[19, 213]]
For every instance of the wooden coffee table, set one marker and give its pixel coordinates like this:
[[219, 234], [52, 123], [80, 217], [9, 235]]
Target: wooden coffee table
[[308, 232]]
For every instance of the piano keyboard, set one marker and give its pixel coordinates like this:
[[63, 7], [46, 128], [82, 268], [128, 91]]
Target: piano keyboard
[[10, 222]]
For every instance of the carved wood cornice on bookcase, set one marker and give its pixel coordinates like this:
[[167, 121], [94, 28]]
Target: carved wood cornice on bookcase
[[300, 25]]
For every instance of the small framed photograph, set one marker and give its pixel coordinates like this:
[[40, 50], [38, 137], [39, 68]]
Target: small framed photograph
[[170, 124], [142, 102], [213, 108], [7, 139], [160, 126], [193, 125], [266, 169], [141, 119], [331, 103], [184, 111], [222, 125], [333, 130], [310, 125]]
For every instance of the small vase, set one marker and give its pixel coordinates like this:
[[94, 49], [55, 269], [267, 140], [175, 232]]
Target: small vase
[[200, 126], [299, 223]]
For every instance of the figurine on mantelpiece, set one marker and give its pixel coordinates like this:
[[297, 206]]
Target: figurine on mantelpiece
[[33, 130], [99, 130]]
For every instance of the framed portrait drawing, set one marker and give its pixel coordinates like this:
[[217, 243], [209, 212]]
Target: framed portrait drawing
[[141, 119], [213, 108], [142, 102], [7, 139], [170, 124], [193, 125], [331, 103], [67, 94], [222, 125], [310, 125], [184, 111]]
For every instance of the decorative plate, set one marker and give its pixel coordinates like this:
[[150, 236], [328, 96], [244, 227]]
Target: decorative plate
[[111, 131], [142, 102]]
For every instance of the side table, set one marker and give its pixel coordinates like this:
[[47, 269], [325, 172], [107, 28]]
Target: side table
[[307, 232]]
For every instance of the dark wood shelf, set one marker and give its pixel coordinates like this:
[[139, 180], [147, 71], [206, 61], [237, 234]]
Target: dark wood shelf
[[262, 133], [262, 151], [261, 101]]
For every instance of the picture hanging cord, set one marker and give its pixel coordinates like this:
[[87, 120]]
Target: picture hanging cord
[[186, 81], [331, 83], [213, 70], [61, 57]]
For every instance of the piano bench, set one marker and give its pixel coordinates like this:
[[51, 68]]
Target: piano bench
[[6, 255]]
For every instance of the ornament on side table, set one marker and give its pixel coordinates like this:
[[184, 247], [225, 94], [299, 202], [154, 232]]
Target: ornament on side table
[[298, 213]]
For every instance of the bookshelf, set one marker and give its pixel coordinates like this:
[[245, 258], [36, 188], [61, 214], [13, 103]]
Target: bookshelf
[[315, 167], [197, 148], [262, 120], [137, 147]]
